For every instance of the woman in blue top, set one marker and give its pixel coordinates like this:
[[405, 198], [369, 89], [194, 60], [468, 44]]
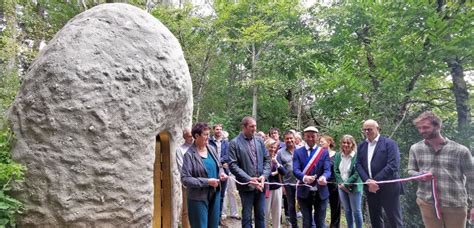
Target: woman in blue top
[[201, 174]]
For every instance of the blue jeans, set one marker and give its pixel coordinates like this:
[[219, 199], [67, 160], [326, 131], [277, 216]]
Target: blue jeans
[[352, 203], [319, 205], [253, 199]]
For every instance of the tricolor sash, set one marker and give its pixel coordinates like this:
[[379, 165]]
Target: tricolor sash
[[312, 159]]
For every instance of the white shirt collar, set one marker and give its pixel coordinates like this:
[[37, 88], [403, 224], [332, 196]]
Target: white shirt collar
[[351, 155], [307, 147], [375, 140]]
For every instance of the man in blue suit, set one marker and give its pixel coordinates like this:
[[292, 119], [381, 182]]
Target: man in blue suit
[[378, 159], [312, 166], [217, 141], [250, 163]]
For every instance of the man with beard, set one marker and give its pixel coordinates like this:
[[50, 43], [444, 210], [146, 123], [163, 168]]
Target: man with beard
[[221, 146], [250, 163], [451, 164], [311, 165], [286, 156]]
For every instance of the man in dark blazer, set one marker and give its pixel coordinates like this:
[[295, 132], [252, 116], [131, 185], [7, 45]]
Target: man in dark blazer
[[221, 146], [250, 163], [315, 175], [378, 159]]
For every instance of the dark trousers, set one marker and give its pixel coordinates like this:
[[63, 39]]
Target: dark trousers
[[256, 200], [291, 199], [335, 205], [387, 198], [319, 205]]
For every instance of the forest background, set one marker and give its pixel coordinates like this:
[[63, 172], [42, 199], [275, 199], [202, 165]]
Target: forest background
[[331, 65]]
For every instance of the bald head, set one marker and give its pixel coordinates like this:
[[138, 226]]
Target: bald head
[[371, 122], [187, 136], [371, 129]]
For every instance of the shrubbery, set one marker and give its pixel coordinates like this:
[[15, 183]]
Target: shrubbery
[[10, 172]]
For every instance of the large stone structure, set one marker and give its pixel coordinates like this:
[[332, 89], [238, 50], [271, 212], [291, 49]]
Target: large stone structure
[[87, 119]]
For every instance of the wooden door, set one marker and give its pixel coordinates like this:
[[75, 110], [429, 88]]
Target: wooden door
[[162, 182]]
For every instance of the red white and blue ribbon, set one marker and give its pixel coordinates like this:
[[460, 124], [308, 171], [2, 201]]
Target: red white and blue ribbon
[[313, 160]]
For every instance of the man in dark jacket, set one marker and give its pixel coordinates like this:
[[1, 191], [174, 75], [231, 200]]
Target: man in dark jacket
[[250, 163], [221, 146], [378, 159], [311, 165]]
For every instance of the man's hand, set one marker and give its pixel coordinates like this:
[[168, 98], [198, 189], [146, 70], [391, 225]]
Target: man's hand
[[256, 181], [223, 177], [322, 180], [213, 182], [427, 177], [341, 186], [309, 179], [373, 187], [275, 173]]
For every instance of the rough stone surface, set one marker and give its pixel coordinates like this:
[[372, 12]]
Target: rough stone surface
[[87, 116]]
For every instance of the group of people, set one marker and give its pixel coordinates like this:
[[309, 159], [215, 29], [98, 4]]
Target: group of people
[[308, 173]]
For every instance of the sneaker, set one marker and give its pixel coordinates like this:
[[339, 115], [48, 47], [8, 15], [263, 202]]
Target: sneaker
[[237, 217], [298, 214]]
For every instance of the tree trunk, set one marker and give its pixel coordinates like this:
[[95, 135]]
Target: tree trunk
[[255, 87], [254, 102], [201, 83], [461, 94]]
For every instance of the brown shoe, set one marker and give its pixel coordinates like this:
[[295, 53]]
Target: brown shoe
[[222, 223]]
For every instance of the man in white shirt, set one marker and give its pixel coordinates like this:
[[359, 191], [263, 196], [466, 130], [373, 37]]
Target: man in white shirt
[[378, 159], [180, 151]]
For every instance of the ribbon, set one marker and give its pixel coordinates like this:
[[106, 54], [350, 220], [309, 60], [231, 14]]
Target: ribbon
[[433, 184], [437, 207]]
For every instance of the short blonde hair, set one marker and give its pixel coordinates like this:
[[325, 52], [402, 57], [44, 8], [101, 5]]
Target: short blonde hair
[[269, 142]]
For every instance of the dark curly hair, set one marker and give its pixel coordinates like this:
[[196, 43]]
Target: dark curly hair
[[199, 128]]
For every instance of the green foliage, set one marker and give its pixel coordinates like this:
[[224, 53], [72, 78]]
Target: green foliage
[[330, 66], [10, 172]]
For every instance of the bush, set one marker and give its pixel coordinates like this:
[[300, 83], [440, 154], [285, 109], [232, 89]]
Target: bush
[[10, 172]]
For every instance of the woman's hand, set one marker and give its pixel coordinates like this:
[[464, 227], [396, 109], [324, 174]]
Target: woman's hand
[[274, 160], [213, 182], [341, 186]]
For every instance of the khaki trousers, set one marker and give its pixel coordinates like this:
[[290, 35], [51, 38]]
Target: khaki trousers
[[451, 217], [184, 211]]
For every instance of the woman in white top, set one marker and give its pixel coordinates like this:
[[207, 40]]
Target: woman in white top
[[346, 175]]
